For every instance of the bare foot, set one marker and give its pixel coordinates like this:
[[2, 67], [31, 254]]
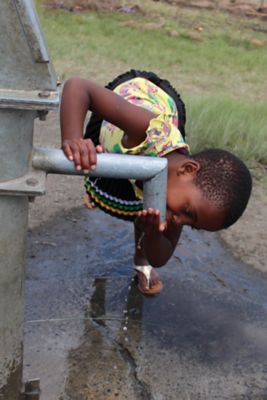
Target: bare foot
[[88, 202], [148, 281]]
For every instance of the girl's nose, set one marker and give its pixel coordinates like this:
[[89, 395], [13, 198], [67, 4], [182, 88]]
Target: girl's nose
[[176, 218], [169, 215]]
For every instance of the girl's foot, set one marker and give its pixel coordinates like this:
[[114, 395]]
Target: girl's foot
[[88, 202], [148, 280]]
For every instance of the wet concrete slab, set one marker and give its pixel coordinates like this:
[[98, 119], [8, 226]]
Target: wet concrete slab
[[89, 333]]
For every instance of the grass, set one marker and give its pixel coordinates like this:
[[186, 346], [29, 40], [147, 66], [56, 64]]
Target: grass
[[216, 61], [240, 127]]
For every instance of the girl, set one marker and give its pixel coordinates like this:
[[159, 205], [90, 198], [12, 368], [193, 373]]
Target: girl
[[139, 113]]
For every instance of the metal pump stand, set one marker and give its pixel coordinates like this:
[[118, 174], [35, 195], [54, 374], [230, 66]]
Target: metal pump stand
[[28, 90]]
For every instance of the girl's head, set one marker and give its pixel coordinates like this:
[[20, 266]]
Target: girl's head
[[210, 191]]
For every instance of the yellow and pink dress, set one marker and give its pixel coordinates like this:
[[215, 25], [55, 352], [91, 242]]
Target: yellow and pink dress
[[120, 197]]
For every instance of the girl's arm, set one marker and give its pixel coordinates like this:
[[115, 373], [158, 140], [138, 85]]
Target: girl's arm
[[159, 239], [79, 96]]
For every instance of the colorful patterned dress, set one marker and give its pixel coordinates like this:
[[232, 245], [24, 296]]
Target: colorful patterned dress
[[122, 198]]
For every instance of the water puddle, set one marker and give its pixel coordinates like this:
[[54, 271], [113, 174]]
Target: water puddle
[[89, 333]]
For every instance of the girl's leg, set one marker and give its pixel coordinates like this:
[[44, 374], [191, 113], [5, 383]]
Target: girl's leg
[[88, 202], [151, 285]]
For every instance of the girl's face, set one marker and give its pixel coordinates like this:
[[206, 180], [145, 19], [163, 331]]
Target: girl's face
[[186, 205]]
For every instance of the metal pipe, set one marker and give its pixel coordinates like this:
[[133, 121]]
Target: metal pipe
[[13, 234], [15, 153], [27, 88], [151, 170]]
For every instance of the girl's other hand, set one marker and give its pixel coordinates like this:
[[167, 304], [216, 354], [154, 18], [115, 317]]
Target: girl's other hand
[[149, 221], [82, 152]]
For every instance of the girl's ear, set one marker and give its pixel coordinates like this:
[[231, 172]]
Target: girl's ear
[[188, 167]]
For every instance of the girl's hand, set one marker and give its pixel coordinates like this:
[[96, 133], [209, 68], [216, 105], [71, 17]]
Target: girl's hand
[[149, 221], [82, 152]]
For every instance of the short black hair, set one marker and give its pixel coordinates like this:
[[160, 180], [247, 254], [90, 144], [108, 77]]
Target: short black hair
[[225, 181]]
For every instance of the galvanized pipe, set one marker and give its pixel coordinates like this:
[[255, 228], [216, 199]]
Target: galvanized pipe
[[27, 87], [13, 234], [15, 153], [152, 171]]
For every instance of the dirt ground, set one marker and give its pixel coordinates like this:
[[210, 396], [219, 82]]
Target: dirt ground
[[248, 237], [249, 8]]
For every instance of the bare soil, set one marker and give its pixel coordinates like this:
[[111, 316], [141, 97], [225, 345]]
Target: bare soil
[[250, 8], [248, 236]]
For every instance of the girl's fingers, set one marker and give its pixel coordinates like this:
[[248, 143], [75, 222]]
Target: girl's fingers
[[84, 156], [67, 150], [82, 152], [87, 155], [71, 149], [149, 211], [76, 157], [91, 152], [163, 226], [150, 219]]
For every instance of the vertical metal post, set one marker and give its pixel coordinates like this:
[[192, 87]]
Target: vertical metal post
[[13, 215], [25, 73], [14, 156]]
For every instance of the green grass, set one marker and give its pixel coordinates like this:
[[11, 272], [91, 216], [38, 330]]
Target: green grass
[[219, 71], [231, 124]]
